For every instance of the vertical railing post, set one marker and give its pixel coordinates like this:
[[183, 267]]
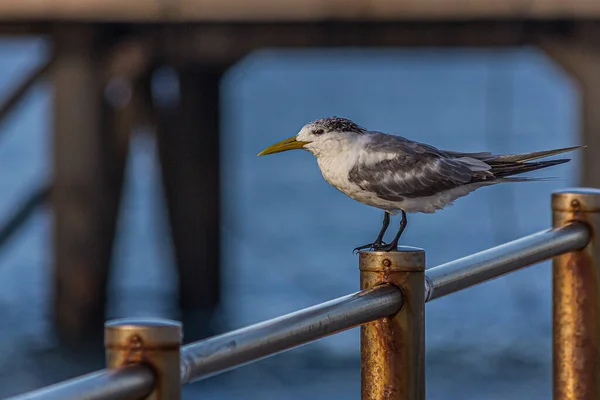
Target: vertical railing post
[[393, 348], [576, 301], [155, 342]]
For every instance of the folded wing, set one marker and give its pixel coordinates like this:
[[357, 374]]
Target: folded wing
[[394, 167]]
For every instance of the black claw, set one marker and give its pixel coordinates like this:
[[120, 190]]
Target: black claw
[[371, 246]]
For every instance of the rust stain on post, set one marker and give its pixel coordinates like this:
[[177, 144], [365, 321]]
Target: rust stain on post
[[154, 342], [393, 348], [576, 301]]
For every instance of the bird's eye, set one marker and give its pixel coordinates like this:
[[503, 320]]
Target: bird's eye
[[318, 131]]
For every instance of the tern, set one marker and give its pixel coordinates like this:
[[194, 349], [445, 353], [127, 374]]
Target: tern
[[399, 175]]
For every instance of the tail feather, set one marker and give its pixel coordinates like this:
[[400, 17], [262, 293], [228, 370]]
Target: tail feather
[[520, 158], [504, 166], [505, 169], [513, 179]]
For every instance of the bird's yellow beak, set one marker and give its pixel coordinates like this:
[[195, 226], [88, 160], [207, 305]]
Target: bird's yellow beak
[[284, 145]]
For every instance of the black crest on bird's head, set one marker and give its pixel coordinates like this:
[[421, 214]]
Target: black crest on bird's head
[[336, 124]]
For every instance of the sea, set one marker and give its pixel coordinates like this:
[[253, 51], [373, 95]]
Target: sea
[[287, 236]]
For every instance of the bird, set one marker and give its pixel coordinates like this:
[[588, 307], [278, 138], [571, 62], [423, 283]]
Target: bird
[[399, 175]]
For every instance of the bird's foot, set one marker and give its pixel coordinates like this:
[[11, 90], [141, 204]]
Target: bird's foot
[[371, 246], [389, 247]]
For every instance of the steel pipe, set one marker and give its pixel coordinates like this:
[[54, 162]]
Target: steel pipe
[[224, 352], [492, 263], [132, 382]]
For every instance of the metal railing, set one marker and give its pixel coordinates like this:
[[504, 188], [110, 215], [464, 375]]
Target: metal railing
[[145, 358]]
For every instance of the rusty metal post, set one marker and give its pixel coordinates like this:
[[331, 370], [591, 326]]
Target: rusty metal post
[[576, 301], [393, 348], [154, 342]]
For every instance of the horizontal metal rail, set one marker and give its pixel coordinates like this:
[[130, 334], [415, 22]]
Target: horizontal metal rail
[[221, 353], [132, 382], [497, 261], [215, 355], [224, 352]]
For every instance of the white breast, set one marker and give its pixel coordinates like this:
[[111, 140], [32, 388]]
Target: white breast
[[336, 169]]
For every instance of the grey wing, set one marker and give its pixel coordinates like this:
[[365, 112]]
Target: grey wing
[[414, 169], [384, 142], [381, 142]]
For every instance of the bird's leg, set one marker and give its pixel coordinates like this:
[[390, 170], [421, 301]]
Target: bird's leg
[[394, 244], [384, 227], [379, 241]]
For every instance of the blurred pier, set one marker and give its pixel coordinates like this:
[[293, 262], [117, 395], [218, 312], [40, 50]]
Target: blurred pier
[[117, 65]]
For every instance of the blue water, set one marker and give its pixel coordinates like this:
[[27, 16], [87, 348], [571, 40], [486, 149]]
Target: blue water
[[288, 235]]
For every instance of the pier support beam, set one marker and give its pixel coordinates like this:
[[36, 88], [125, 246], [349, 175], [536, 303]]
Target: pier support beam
[[89, 159], [188, 138], [578, 52]]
